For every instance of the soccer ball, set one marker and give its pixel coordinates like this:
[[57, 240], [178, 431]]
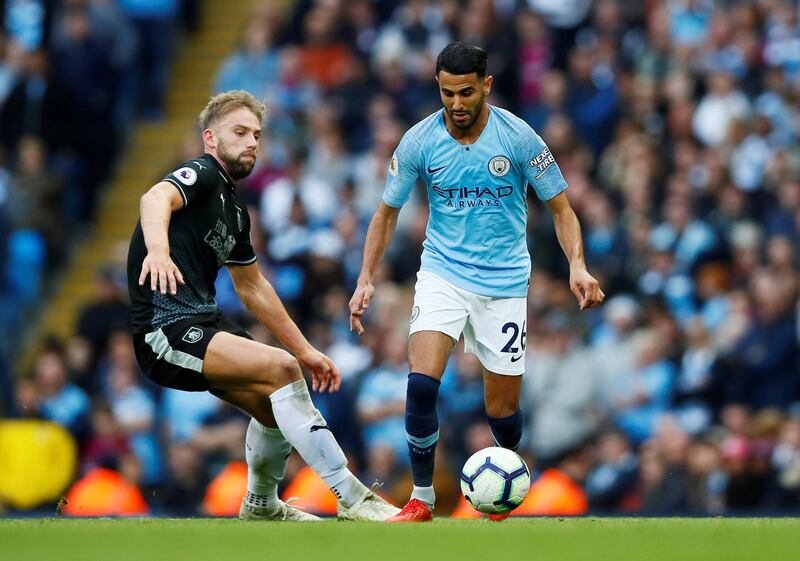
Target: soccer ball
[[495, 480]]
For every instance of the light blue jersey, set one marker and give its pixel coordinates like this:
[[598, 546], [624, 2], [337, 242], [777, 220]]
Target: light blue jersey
[[478, 212]]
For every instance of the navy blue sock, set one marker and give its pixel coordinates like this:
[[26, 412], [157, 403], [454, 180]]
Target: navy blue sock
[[422, 426], [507, 431]]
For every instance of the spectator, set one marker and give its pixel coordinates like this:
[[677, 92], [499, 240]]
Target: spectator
[[154, 23], [611, 482], [461, 401], [719, 108], [108, 313], [786, 461], [663, 473], [186, 481], [35, 198], [697, 392], [762, 370], [82, 67], [381, 401], [644, 392], [592, 99], [57, 399], [534, 58], [254, 65], [45, 104], [221, 433], [107, 441], [707, 480], [314, 198], [133, 407], [559, 390], [324, 58], [183, 413]]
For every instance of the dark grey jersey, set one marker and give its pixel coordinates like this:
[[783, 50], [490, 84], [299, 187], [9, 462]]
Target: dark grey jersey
[[212, 229]]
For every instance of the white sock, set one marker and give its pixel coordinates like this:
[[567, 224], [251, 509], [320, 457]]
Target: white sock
[[308, 433], [267, 453], [424, 494]]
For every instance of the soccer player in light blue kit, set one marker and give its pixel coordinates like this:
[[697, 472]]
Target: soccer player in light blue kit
[[477, 161]]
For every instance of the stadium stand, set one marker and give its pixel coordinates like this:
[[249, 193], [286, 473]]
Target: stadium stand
[[674, 122]]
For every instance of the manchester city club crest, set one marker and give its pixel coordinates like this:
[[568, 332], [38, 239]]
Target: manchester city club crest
[[499, 166]]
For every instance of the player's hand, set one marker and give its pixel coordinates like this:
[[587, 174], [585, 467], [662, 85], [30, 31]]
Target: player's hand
[[585, 288], [359, 304], [164, 274], [324, 374]]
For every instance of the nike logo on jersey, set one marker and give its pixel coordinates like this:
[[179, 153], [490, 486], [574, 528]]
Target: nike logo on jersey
[[315, 428], [516, 358], [431, 170]]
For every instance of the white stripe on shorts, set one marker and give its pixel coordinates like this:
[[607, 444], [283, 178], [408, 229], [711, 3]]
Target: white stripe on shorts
[[160, 345]]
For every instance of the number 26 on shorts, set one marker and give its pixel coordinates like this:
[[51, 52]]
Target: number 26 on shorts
[[515, 332]]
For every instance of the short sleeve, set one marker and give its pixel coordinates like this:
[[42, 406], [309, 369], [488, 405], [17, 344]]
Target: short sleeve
[[242, 253], [538, 165], [403, 172], [193, 179]]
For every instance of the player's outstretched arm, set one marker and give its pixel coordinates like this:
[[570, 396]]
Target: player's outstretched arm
[[156, 207], [379, 234], [583, 285], [261, 299]]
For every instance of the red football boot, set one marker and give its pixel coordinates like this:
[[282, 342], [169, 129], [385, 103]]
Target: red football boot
[[499, 517], [414, 511]]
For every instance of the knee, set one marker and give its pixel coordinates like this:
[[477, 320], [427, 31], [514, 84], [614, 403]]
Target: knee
[[286, 369]]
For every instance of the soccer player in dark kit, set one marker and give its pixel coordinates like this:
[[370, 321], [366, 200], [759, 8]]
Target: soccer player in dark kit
[[192, 223]]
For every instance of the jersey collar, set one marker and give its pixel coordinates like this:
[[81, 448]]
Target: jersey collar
[[443, 124], [222, 171]]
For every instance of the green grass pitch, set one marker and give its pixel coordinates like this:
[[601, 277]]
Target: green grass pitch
[[532, 539]]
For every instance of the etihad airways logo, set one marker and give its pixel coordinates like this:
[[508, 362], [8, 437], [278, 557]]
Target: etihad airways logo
[[468, 197]]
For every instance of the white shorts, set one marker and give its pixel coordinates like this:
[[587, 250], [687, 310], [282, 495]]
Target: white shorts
[[493, 328]]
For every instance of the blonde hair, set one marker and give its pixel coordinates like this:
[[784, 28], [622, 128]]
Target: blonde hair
[[225, 102]]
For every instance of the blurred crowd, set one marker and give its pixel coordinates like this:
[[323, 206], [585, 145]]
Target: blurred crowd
[[74, 76], [675, 123]]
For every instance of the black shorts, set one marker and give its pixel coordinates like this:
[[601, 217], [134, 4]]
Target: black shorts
[[173, 355]]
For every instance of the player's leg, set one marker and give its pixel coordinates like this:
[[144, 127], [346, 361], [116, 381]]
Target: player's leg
[[496, 333], [428, 352], [237, 364], [176, 355], [267, 453], [501, 395], [437, 319]]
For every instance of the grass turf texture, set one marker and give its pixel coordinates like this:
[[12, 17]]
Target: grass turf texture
[[532, 539]]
